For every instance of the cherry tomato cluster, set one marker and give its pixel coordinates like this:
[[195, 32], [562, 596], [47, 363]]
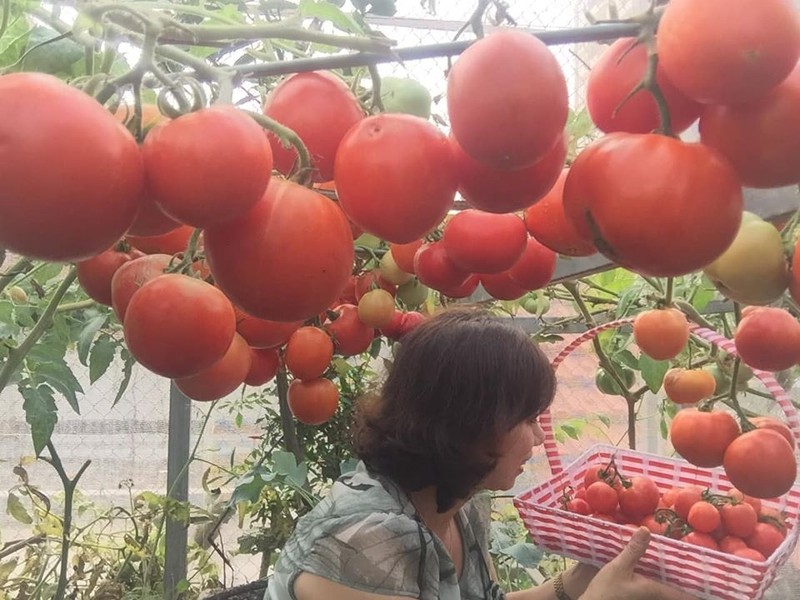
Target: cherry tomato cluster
[[729, 522]]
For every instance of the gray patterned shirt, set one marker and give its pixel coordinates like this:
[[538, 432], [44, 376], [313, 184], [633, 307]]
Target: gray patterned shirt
[[366, 535]]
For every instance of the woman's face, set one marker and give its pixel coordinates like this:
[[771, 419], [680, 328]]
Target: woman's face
[[514, 451]]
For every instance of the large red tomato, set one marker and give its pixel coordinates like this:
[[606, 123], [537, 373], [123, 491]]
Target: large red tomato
[[287, 259], [349, 334], [313, 401], [507, 190], [209, 166], [703, 437], [535, 267], [502, 287], [395, 176], [616, 73], [172, 242], [507, 99], [676, 210], [482, 242], [768, 338], [70, 174], [264, 365], [320, 109], [94, 274], [261, 333], [547, 222], [177, 326], [761, 139], [221, 378], [132, 275], [308, 352], [728, 51], [436, 269], [151, 220], [761, 463]]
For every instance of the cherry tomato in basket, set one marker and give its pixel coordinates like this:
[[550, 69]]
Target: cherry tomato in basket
[[668, 498], [579, 506], [653, 525], [700, 539], [580, 493], [739, 519], [704, 517], [740, 497], [602, 498], [638, 497], [750, 554], [732, 543], [765, 538], [607, 473], [686, 498]]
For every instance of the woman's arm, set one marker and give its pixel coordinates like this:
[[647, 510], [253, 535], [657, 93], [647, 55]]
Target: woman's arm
[[575, 581], [313, 587]]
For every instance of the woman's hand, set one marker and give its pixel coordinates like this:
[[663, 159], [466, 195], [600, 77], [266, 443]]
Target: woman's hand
[[617, 581]]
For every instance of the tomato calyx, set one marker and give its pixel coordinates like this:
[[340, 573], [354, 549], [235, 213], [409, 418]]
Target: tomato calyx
[[719, 500], [567, 494], [776, 522], [676, 526]]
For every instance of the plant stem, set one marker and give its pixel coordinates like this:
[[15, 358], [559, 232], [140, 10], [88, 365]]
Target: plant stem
[[69, 494], [287, 138], [72, 306], [17, 355], [669, 291], [290, 440], [359, 59], [630, 398]]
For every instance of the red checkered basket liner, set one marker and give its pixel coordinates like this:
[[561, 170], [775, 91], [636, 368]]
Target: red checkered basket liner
[[702, 572]]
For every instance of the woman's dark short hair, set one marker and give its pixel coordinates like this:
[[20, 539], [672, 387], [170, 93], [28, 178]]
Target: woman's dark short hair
[[458, 383]]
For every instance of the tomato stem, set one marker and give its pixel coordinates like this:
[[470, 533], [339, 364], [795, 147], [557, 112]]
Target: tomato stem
[[287, 137]]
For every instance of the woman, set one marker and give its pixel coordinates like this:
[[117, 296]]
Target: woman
[[456, 415]]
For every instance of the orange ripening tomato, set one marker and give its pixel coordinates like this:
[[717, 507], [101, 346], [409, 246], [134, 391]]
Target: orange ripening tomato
[[661, 333], [689, 386], [703, 438]]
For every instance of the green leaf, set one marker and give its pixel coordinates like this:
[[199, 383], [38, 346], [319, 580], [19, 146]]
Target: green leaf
[[375, 347], [286, 465], [60, 377], [326, 11], [49, 349], [249, 487], [101, 357], [527, 555], [627, 301], [48, 52], [8, 327], [46, 272], [341, 366], [15, 509], [570, 430], [14, 40], [6, 569], [626, 358], [604, 419], [40, 413], [87, 336], [703, 294], [653, 371], [127, 371]]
